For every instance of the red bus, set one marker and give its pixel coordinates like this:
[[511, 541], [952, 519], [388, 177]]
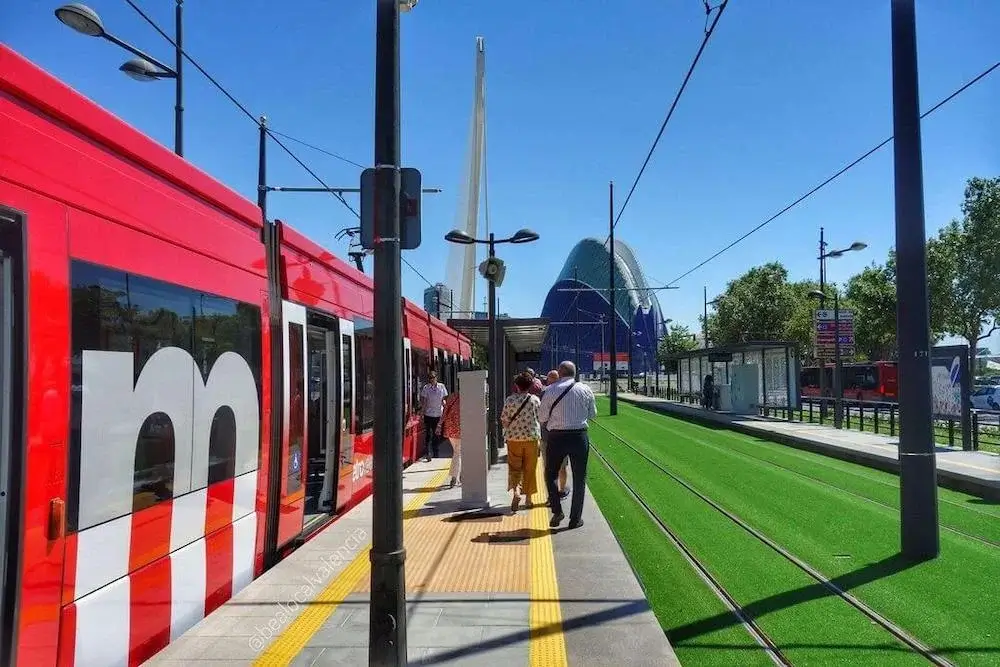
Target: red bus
[[869, 381], [186, 387]]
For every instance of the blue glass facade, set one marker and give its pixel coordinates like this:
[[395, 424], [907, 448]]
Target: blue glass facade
[[636, 311]]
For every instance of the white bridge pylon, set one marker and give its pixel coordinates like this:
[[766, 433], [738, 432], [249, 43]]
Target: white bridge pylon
[[461, 272]]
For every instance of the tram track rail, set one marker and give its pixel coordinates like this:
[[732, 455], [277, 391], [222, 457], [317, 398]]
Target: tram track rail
[[900, 634], [860, 496], [746, 620]]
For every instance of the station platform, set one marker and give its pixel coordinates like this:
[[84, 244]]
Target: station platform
[[483, 588], [976, 473]]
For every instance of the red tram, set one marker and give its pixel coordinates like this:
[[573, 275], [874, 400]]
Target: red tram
[[187, 389]]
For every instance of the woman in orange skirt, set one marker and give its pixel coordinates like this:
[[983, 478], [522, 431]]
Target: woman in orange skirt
[[522, 432]]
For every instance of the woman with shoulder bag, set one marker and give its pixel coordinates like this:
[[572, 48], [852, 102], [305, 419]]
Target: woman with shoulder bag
[[519, 419]]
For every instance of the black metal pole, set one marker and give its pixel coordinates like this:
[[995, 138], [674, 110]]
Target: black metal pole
[[179, 80], [387, 629], [576, 326], [495, 370], [838, 382], [262, 167], [612, 315], [917, 467], [820, 359]]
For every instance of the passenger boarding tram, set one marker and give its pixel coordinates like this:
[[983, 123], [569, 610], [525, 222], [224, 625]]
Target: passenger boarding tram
[[187, 389]]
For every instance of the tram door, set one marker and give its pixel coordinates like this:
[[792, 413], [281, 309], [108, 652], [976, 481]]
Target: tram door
[[345, 415], [324, 405], [10, 425]]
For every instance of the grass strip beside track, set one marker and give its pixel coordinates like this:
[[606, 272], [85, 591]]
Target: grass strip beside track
[[958, 511], [949, 603], [809, 625], [676, 594]]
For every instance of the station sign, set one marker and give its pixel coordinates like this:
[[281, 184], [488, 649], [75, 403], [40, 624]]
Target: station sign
[[826, 330]]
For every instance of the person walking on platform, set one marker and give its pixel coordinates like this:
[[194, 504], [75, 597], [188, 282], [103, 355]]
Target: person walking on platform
[[432, 400], [550, 379], [537, 388], [519, 419], [565, 409], [451, 427]]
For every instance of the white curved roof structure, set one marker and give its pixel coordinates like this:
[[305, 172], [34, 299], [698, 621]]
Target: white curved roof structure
[[587, 264]]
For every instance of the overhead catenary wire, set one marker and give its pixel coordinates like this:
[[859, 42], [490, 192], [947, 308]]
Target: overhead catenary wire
[[835, 176], [673, 105], [709, 31], [273, 134]]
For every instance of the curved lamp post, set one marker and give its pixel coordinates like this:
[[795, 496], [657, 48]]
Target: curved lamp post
[[144, 67], [520, 236]]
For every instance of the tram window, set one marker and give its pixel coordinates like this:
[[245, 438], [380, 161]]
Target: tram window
[[348, 379], [364, 377], [297, 406], [419, 370], [114, 311]]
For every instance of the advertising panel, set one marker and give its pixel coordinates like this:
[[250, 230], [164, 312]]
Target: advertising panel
[[951, 386]]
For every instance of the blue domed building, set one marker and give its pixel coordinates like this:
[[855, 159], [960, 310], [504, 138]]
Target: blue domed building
[[637, 310]]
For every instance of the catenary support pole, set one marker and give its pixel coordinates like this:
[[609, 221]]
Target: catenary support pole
[[612, 315], [179, 79], [387, 628], [917, 468]]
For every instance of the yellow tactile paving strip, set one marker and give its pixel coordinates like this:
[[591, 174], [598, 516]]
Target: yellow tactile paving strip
[[505, 554], [547, 647], [284, 649], [488, 555]]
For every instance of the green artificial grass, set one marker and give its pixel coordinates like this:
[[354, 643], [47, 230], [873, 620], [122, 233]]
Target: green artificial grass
[[960, 511], [950, 603], [808, 624], [675, 592]]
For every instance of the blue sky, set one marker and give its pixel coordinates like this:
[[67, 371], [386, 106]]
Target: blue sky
[[786, 93]]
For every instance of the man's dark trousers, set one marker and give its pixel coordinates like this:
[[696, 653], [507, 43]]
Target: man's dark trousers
[[430, 436], [575, 445]]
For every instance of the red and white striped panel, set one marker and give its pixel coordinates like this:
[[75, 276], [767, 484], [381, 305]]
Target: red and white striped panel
[[122, 616]]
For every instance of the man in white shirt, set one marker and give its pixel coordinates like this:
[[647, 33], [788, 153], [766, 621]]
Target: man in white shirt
[[432, 400], [566, 407]]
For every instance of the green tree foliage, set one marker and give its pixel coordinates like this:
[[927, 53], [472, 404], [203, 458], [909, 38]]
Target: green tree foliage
[[969, 254], [872, 293], [756, 306], [678, 339]]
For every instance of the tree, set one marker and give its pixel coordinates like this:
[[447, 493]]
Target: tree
[[967, 258], [755, 306], [678, 339], [872, 294], [801, 326]]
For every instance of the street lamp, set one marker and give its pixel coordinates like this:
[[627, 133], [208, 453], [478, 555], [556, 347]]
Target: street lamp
[[821, 295], [656, 353], [86, 21], [496, 399]]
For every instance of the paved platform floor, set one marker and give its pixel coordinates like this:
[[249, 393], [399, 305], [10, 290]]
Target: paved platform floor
[[483, 588], [977, 473]]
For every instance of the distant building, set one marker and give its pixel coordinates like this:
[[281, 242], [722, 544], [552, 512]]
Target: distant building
[[438, 301], [581, 313]]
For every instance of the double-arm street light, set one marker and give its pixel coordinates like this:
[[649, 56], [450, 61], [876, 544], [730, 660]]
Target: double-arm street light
[[144, 67], [496, 387], [820, 295]]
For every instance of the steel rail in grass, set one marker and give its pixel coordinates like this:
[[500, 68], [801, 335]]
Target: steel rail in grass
[[915, 644], [746, 620]]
